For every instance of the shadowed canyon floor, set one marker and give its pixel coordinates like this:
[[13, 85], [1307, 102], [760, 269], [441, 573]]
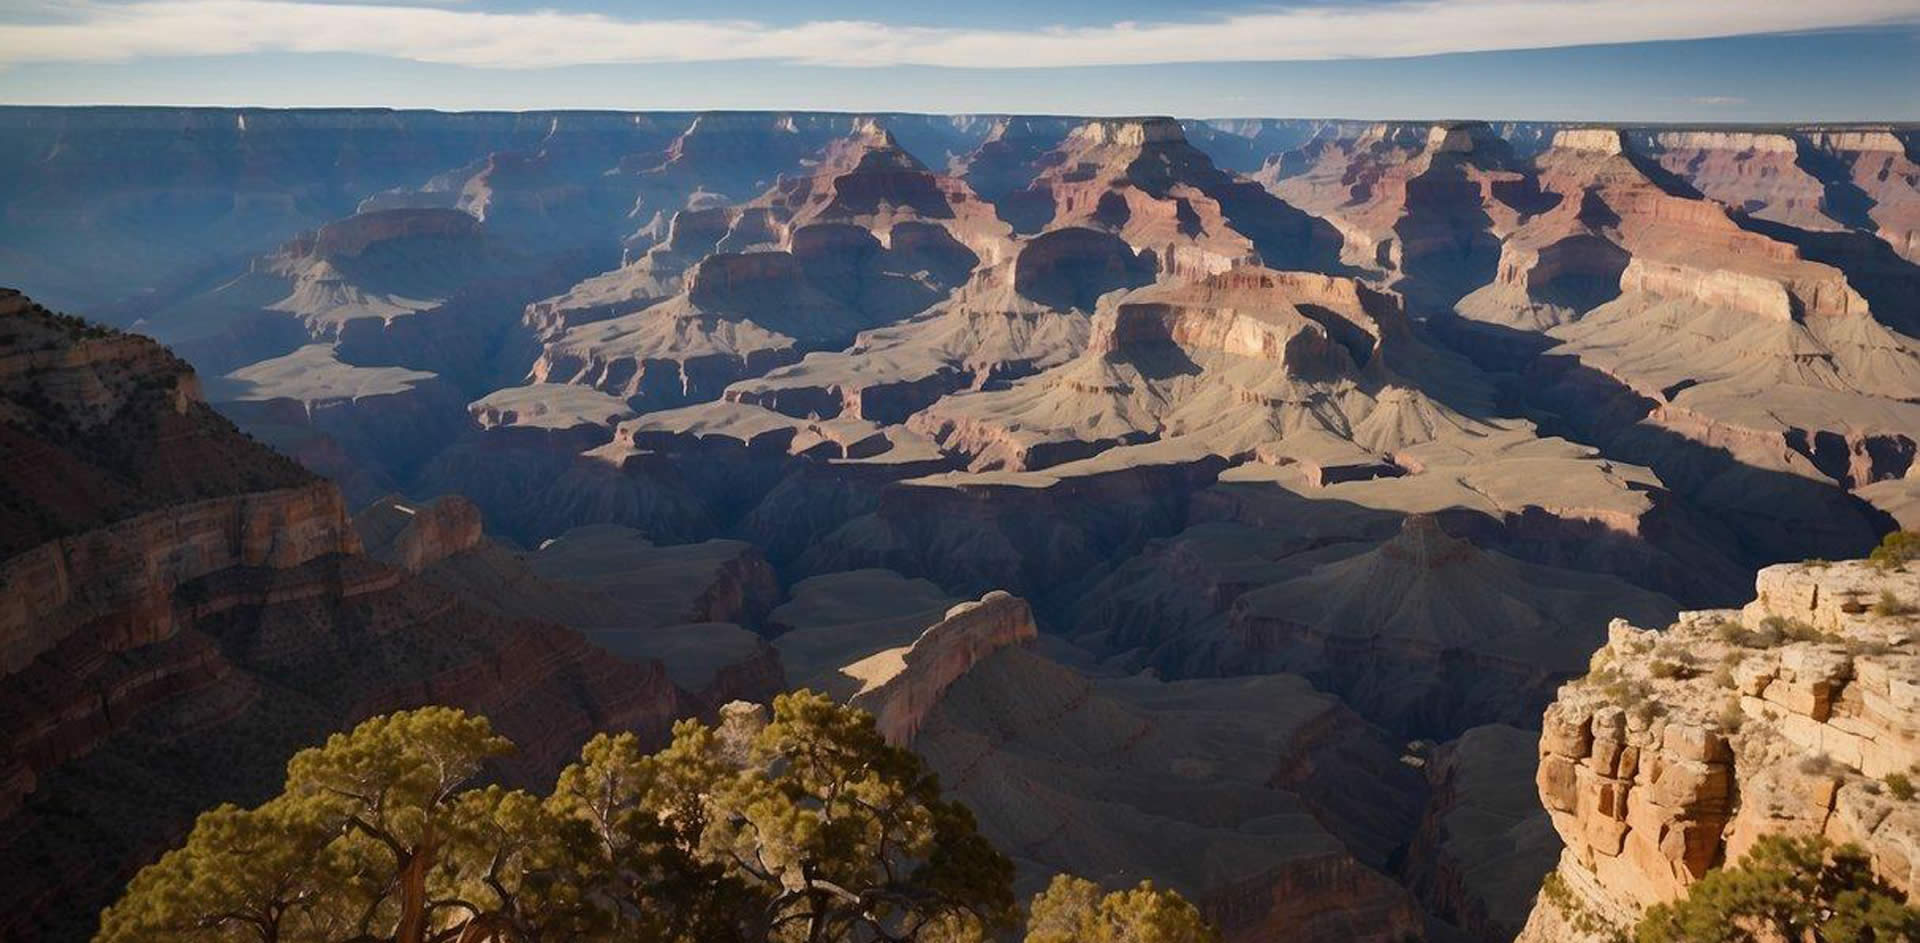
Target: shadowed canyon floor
[[1221, 503]]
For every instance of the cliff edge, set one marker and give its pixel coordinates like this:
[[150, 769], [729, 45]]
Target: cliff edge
[[1799, 713]]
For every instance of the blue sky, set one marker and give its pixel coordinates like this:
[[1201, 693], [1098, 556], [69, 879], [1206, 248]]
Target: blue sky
[[1622, 60]]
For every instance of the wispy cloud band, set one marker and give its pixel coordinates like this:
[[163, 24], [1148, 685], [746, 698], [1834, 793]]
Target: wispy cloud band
[[438, 34]]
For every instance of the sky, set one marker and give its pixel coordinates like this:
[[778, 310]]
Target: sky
[[1585, 60]]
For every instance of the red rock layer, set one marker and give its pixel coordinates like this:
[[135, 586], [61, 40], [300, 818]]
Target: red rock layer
[[194, 610]]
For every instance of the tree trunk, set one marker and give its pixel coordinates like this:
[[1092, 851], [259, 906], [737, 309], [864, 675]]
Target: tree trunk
[[413, 891]]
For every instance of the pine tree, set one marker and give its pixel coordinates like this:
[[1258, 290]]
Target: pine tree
[[1787, 888], [1074, 910]]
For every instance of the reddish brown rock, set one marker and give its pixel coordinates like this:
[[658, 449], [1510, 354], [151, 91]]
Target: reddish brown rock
[[187, 609]]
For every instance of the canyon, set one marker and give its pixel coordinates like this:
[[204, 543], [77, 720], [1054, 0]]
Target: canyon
[[1342, 523]]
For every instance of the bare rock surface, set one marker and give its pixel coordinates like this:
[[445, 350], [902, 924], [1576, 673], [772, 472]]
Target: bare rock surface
[[869, 235], [1682, 747], [689, 607], [1293, 354], [558, 407], [836, 619], [1422, 205]]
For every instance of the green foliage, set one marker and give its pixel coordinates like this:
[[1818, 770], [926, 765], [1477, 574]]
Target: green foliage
[[243, 874], [840, 834], [1815, 764], [1073, 910], [360, 844], [807, 827], [1787, 888], [1554, 890], [1900, 786], [1896, 550], [1773, 631], [1794, 630], [1553, 887]]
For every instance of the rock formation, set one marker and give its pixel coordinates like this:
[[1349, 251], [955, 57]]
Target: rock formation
[[181, 608], [691, 607], [1745, 373], [368, 428], [900, 685], [1422, 204], [1010, 320], [868, 236], [1166, 361], [1684, 746], [1225, 790], [1140, 179], [413, 287]]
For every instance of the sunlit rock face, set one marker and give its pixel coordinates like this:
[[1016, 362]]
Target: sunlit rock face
[[1683, 747]]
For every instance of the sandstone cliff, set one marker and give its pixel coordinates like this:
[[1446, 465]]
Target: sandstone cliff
[[900, 686], [1684, 746]]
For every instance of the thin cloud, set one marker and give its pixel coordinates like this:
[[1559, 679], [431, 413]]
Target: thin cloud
[[1718, 100], [461, 36]]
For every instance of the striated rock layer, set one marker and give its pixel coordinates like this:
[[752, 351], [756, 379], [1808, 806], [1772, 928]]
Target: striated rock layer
[[1685, 746], [181, 609]]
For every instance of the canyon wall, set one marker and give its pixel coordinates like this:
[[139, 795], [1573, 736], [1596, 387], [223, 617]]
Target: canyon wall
[[181, 609], [1683, 747]]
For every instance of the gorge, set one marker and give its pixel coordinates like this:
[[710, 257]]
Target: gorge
[[1346, 524]]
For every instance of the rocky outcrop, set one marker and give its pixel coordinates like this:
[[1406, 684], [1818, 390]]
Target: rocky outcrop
[[1422, 205], [1683, 747], [100, 427], [351, 237], [1875, 163], [116, 580], [1227, 362], [415, 535], [740, 316], [429, 289], [1757, 173], [1008, 321], [181, 609], [900, 686], [1142, 180], [1682, 334]]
